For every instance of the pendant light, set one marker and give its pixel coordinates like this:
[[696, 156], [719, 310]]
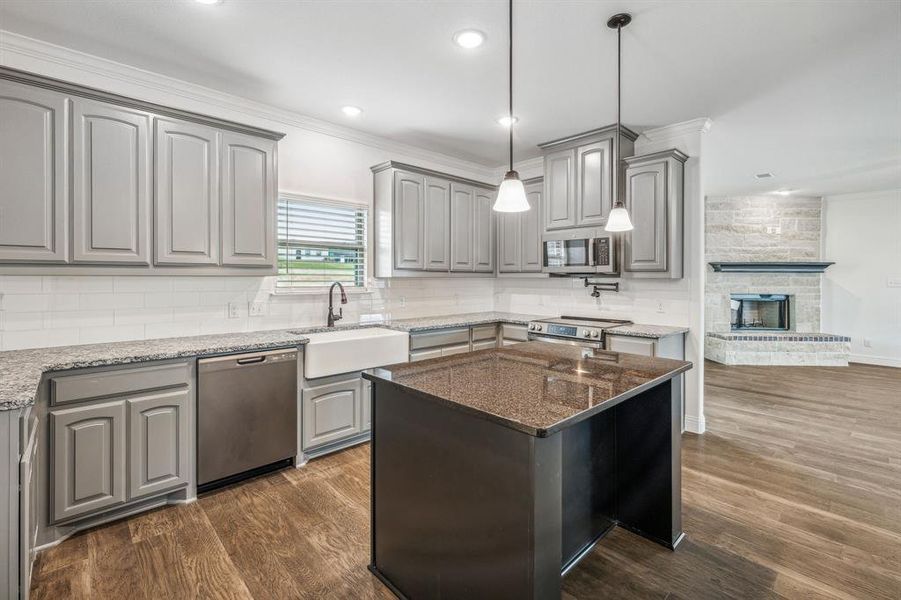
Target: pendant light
[[511, 195], [618, 220]]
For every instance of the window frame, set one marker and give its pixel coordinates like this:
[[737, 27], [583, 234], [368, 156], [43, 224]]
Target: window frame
[[287, 290]]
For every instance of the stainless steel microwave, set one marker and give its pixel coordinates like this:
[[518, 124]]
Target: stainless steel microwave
[[584, 251]]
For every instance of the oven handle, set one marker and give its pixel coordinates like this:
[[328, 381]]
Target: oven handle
[[537, 337]]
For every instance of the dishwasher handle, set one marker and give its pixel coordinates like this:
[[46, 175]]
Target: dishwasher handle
[[251, 360]]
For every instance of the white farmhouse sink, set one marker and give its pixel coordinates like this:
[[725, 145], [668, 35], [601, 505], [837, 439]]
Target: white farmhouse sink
[[347, 350]]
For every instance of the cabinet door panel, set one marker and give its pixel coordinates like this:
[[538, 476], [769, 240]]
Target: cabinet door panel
[[559, 189], [88, 470], [509, 247], [437, 225], [158, 442], [595, 184], [111, 200], [462, 207], [33, 174], [331, 413], [409, 220], [530, 230], [642, 346], [248, 200], [484, 245], [645, 246], [187, 193]]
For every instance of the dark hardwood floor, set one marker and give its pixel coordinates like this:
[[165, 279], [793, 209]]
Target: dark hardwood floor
[[794, 492]]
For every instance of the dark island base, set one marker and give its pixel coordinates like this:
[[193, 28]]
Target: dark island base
[[463, 507]]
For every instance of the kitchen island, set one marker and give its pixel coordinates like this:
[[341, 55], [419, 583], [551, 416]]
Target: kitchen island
[[495, 472]]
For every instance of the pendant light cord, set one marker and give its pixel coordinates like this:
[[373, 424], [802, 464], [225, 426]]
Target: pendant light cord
[[619, 98], [510, 80]]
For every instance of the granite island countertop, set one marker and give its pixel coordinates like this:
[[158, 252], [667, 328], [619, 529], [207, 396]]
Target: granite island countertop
[[21, 370], [535, 387]]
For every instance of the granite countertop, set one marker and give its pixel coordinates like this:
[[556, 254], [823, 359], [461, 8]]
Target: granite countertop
[[21, 370], [647, 331], [536, 387]]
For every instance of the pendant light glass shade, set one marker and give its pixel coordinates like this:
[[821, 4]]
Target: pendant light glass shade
[[511, 195], [618, 219]]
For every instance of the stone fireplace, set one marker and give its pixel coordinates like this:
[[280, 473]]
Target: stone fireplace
[[766, 315]]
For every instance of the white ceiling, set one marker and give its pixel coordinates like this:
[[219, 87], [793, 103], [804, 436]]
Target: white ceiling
[[810, 91]]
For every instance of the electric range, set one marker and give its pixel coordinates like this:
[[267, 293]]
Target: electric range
[[576, 331]]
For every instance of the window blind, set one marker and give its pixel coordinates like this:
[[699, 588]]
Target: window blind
[[320, 242]]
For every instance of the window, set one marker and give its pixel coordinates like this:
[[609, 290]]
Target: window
[[320, 242]]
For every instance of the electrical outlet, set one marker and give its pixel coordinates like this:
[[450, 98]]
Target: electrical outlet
[[893, 282], [867, 343], [403, 301], [660, 308], [774, 229], [257, 309], [234, 310]]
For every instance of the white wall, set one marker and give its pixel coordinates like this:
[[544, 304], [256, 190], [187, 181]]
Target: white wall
[[862, 290], [315, 158]]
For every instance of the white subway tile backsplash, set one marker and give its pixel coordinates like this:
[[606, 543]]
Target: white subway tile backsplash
[[24, 302], [81, 318], [115, 333], [111, 300]]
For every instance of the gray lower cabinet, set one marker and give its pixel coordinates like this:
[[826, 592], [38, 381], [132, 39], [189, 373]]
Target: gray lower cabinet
[[28, 510], [34, 180], [519, 234], [158, 442], [436, 236], [409, 220], [111, 184], [249, 188], [513, 334], [366, 402], [89, 458], [653, 187], [332, 410], [462, 230], [186, 184]]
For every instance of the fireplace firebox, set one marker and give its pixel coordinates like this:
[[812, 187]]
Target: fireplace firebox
[[760, 312]]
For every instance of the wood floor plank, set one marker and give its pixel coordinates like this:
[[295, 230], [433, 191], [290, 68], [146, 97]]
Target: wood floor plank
[[794, 492]]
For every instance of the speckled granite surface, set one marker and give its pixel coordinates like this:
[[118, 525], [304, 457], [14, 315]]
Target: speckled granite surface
[[21, 370], [647, 331], [535, 387]]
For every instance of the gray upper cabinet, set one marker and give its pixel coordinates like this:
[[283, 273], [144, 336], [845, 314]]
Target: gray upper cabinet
[[579, 183], [461, 230], [248, 188], [409, 220], [530, 228], [594, 188], [437, 224], [88, 468], [483, 237], [33, 174], [111, 184], [425, 223], [158, 442], [653, 186], [519, 234], [559, 192], [186, 181]]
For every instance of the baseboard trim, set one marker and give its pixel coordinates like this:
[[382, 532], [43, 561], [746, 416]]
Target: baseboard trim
[[881, 361], [695, 424]]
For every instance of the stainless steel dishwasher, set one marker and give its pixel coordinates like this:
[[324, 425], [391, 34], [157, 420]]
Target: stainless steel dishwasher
[[246, 415]]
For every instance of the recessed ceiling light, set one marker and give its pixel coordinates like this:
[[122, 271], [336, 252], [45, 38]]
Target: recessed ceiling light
[[764, 176], [352, 111], [209, 1], [507, 121], [785, 192], [469, 38]]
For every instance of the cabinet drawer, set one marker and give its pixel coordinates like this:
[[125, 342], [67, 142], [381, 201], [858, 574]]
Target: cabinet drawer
[[632, 345], [66, 389], [460, 349], [425, 354], [484, 345], [445, 337], [519, 333], [484, 332]]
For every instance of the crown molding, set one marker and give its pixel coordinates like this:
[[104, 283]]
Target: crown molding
[[694, 126], [21, 52]]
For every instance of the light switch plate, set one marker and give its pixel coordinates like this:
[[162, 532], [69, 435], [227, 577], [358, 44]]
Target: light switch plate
[[234, 311], [257, 309]]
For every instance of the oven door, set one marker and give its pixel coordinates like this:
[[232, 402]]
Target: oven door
[[568, 252]]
